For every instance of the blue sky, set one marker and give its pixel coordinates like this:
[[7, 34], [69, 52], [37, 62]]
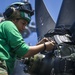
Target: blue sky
[[53, 6]]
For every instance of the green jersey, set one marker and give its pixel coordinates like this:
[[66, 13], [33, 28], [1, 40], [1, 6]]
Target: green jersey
[[12, 44]]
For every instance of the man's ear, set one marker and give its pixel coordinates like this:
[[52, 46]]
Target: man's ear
[[14, 21]]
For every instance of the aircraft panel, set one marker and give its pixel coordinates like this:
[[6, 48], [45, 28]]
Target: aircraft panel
[[44, 21], [67, 14]]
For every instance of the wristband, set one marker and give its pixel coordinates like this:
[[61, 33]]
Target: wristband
[[44, 46], [43, 51]]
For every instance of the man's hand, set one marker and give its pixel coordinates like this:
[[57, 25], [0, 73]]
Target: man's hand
[[50, 45], [43, 41]]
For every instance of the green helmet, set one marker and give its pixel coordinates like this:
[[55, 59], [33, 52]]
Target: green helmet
[[24, 9]]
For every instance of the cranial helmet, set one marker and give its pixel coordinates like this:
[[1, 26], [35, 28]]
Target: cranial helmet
[[24, 8]]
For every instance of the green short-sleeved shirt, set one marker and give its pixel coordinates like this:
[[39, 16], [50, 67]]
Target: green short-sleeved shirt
[[12, 44]]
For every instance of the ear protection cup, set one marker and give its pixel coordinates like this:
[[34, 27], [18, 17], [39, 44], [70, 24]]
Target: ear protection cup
[[9, 12]]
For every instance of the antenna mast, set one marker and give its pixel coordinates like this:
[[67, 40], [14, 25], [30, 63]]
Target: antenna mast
[[25, 0]]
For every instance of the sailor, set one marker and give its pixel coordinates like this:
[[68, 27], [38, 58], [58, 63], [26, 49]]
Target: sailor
[[12, 45]]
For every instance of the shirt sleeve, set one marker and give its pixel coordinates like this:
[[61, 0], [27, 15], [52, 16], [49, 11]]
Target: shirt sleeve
[[14, 39]]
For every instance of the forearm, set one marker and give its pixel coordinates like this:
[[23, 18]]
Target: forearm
[[34, 50], [38, 48]]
